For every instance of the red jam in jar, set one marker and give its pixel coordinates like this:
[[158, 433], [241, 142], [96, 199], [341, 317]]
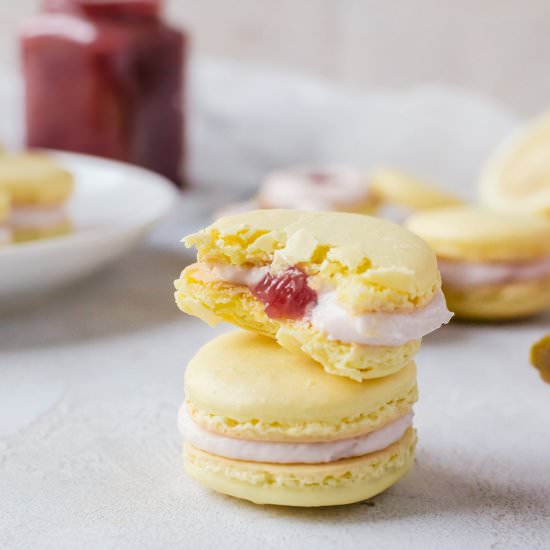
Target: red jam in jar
[[106, 78]]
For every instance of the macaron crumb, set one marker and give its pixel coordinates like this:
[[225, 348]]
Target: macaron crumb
[[540, 357]]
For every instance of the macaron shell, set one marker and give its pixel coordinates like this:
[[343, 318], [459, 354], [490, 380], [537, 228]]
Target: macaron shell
[[342, 482], [500, 303], [379, 264], [34, 178], [396, 187], [469, 233], [216, 302], [271, 386], [355, 361], [516, 178]]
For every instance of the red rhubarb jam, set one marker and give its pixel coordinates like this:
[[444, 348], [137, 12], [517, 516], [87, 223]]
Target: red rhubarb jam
[[105, 77], [285, 295]]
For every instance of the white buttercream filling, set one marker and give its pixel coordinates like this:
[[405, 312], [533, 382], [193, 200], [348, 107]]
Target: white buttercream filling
[[379, 328], [463, 274], [373, 328], [287, 452], [324, 188], [237, 275], [37, 216]]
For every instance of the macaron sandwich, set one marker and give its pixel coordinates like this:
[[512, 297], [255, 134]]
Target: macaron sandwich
[[265, 425], [354, 293], [495, 265], [313, 405], [325, 188], [38, 188]]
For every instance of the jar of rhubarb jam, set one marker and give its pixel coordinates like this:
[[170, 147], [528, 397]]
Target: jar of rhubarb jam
[[106, 78]]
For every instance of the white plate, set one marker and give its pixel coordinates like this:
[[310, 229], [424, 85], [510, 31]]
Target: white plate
[[113, 207]]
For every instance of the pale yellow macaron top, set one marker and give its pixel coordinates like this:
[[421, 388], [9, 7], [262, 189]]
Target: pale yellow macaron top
[[372, 262], [34, 179], [397, 187], [517, 176], [246, 386], [5, 206], [477, 234]]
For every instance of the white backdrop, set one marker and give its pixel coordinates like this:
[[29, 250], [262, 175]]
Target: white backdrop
[[498, 47]]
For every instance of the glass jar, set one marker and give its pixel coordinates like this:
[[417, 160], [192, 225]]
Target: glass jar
[[106, 78]]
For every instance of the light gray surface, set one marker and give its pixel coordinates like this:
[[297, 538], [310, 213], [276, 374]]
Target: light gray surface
[[90, 382]]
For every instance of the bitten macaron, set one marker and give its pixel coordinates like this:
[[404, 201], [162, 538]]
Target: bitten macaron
[[353, 292], [38, 188], [494, 265], [265, 425]]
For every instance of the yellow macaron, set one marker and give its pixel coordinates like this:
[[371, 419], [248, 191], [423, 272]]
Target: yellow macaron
[[38, 188], [268, 426], [494, 265], [353, 292], [407, 193], [516, 177]]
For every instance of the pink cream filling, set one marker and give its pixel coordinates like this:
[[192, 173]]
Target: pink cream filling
[[373, 328], [286, 452], [462, 274]]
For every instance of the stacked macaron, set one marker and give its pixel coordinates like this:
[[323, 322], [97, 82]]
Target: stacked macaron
[[38, 188], [346, 293]]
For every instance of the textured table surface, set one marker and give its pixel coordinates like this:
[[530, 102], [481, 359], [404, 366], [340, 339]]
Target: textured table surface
[[90, 382]]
